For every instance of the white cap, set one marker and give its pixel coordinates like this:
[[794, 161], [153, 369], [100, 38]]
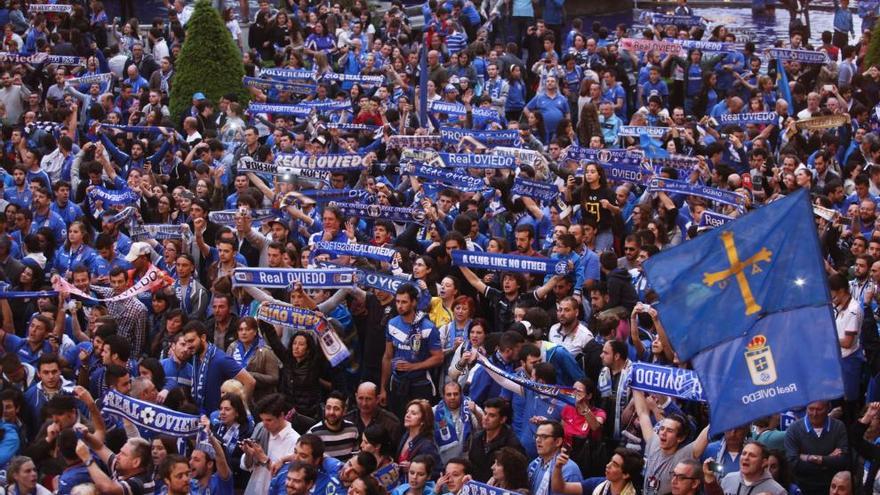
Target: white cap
[[137, 250]]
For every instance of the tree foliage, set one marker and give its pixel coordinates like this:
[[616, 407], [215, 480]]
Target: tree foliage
[[873, 56], [209, 61]]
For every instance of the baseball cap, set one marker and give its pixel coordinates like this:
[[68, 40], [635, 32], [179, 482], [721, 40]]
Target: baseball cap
[[137, 250], [199, 96]]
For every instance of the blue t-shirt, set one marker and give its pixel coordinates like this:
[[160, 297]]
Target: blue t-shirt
[[65, 260], [413, 343], [553, 109], [219, 369], [570, 473], [78, 474], [20, 346], [70, 212], [216, 486]]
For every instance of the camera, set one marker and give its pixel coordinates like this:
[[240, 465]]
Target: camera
[[716, 468]]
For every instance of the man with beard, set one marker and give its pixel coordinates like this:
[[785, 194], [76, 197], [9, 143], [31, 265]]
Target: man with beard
[[752, 475], [211, 368], [340, 436], [208, 456]]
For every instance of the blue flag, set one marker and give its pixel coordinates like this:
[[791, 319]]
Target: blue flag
[[716, 287], [652, 147], [784, 88], [787, 359]]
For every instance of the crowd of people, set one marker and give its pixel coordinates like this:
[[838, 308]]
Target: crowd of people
[[502, 127]]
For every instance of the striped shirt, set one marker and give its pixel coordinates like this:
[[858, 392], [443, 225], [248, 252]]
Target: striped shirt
[[339, 443]]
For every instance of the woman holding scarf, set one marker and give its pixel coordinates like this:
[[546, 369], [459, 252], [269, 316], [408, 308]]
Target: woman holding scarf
[[251, 352], [461, 367], [233, 424]]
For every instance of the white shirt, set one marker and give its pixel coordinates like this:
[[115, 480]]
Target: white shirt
[[279, 446], [848, 321], [573, 342]]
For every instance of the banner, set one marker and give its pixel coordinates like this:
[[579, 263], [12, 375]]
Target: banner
[[298, 110], [51, 7], [352, 127], [329, 162], [509, 262], [615, 156], [706, 192], [289, 74], [89, 80], [301, 88], [705, 46], [393, 213], [152, 278], [150, 416], [749, 118], [282, 278], [541, 191], [628, 173], [765, 262], [636, 131], [388, 476], [823, 122], [477, 160], [290, 316], [787, 359], [712, 219], [137, 129], [381, 281], [658, 379], [452, 135], [416, 142], [446, 176], [678, 20], [113, 197], [476, 488], [559, 392], [802, 56], [365, 81], [227, 217], [639, 45], [40, 58], [377, 253]]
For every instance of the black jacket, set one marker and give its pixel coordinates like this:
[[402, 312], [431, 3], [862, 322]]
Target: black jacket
[[620, 290], [482, 454]]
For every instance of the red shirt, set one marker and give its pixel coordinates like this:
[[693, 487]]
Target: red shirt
[[575, 424]]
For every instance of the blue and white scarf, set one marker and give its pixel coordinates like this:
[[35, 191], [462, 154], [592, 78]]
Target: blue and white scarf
[[243, 356], [542, 191], [678, 20], [666, 380], [328, 162], [150, 416], [679, 162], [802, 56], [748, 118], [287, 315], [282, 278], [452, 135], [478, 160], [303, 88], [93, 79], [388, 476], [352, 127], [335, 195], [637, 174], [712, 219], [227, 217], [477, 488], [367, 251], [137, 129], [459, 110], [447, 177], [159, 232], [673, 186], [113, 197], [445, 433], [40, 58], [706, 46], [51, 7], [614, 156], [637, 130], [289, 74], [559, 392], [298, 110], [393, 213], [416, 142], [122, 216], [200, 375], [365, 81], [509, 262]]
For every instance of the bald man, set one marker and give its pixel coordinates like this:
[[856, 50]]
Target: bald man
[[841, 484], [369, 412]]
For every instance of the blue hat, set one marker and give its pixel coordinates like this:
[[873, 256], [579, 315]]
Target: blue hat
[[199, 96]]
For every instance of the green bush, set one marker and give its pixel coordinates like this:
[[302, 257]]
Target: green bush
[[209, 61], [873, 55]]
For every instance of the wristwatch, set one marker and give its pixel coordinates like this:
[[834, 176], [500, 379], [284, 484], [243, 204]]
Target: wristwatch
[[89, 462]]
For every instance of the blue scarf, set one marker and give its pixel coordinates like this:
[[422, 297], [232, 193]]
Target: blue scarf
[[480, 115], [540, 191], [559, 392], [678, 20], [329, 162], [388, 476], [748, 118], [332, 195], [242, 356], [448, 177], [802, 56], [509, 262], [365, 81], [415, 142], [149, 416], [289, 74], [137, 129], [123, 215], [113, 197], [710, 193], [352, 127], [679, 162], [452, 135], [445, 434], [706, 46], [158, 232], [93, 79], [666, 380], [282, 86], [393, 213], [712, 219], [637, 174], [290, 316], [615, 156], [40, 58], [637, 130], [298, 110], [376, 253], [476, 488], [282, 278], [482, 161], [200, 375], [227, 217]]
